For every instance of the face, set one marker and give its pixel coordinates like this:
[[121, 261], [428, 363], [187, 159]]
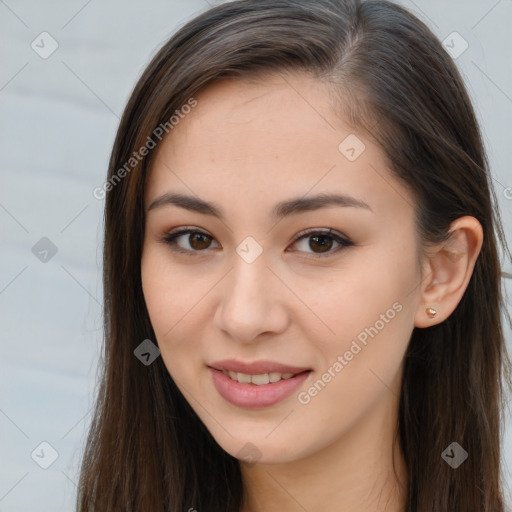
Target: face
[[330, 288]]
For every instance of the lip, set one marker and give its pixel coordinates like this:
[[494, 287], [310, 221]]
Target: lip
[[256, 367], [251, 396]]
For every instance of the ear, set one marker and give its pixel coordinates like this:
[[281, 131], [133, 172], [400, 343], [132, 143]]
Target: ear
[[447, 271]]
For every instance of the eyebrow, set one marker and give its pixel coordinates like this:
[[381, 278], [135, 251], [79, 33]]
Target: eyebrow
[[282, 209]]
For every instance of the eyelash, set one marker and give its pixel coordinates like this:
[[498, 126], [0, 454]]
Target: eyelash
[[170, 239]]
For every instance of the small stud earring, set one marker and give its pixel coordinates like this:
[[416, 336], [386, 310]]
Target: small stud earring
[[431, 312]]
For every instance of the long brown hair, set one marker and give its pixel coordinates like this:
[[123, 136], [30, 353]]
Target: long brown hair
[[147, 450]]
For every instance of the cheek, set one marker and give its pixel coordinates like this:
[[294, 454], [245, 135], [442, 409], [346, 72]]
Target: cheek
[[361, 362], [368, 317], [181, 297], [170, 292], [173, 299], [356, 299]]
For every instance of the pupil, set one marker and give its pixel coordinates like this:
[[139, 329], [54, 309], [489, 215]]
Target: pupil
[[195, 236], [323, 246]]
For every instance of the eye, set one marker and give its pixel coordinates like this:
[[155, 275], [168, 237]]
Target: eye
[[323, 241], [197, 241]]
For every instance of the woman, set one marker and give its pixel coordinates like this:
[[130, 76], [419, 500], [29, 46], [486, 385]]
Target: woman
[[301, 274]]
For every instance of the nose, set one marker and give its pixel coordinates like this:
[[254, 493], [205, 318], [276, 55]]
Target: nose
[[251, 301]]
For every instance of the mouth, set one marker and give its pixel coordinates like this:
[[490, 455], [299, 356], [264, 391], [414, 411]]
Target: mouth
[[254, 391], [260, 379], [261, 367]]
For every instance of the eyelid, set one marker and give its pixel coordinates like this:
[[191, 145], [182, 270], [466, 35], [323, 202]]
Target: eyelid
[[344, 241]]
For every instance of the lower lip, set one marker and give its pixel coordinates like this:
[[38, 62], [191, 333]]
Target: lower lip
[[251, 396]]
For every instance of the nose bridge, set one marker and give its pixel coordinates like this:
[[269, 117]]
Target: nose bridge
[[249, 281], [249, 302]]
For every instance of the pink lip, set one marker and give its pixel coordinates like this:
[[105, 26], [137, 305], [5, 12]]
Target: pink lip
[[251, 396], [255, 368]]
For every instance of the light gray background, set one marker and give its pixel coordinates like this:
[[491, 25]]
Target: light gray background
[[57, 125]]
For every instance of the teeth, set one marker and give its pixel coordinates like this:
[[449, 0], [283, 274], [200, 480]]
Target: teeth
[[242, 377], [258, 380]]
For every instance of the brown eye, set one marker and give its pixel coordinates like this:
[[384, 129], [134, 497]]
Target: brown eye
[[321, 242], [197, 241]]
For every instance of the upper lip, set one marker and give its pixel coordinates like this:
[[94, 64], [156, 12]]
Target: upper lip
[[256, 367]]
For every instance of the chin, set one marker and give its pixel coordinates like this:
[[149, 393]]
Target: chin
[[261, 451]]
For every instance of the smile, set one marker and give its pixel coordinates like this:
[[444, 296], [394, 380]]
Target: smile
[[258, 380], [256, 391]]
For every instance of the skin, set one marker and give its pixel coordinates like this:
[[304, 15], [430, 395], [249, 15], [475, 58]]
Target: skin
[[246, 146]]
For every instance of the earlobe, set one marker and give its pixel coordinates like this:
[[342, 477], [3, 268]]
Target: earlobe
[[448, 270]]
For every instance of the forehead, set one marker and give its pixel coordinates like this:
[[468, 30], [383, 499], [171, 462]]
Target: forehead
[[263, 118], [272, 138]]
